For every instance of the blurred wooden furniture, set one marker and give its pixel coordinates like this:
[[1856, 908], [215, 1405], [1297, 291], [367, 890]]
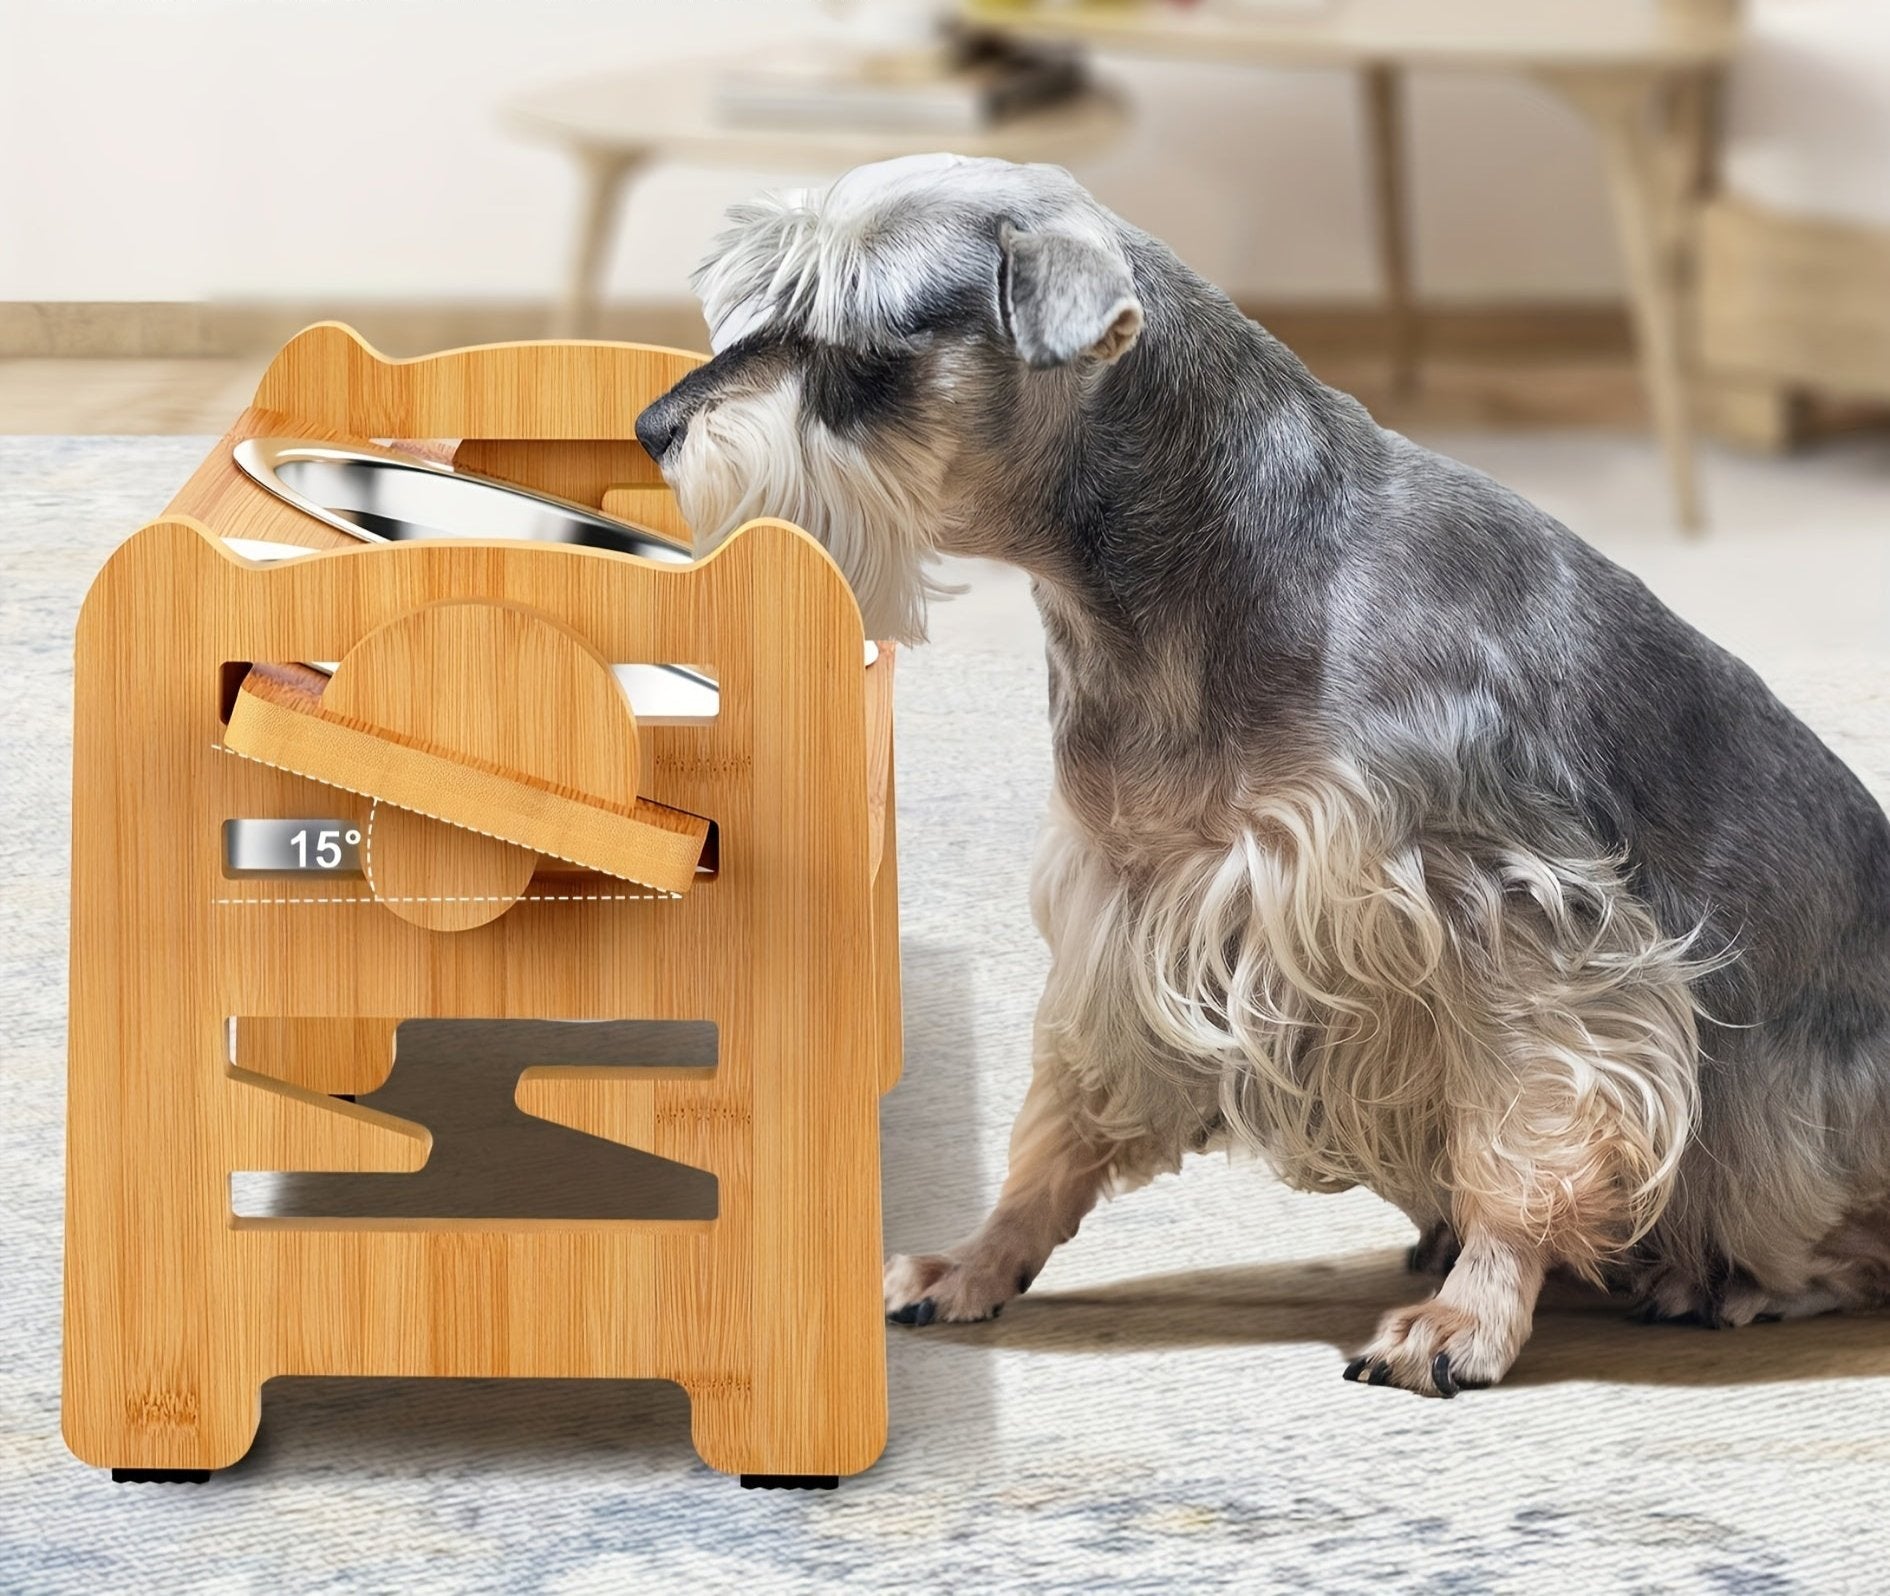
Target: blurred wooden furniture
[[1791, 307], [1642, 72], [616, 124], [527, 850], [1794, 245]]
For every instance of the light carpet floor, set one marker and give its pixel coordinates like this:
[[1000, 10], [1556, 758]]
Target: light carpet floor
[[1163, 1412]]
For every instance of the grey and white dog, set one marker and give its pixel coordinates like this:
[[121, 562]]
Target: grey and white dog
[[1397, 834]]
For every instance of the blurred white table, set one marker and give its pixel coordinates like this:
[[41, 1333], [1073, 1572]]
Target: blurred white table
[[616, 124], [1642, 73]]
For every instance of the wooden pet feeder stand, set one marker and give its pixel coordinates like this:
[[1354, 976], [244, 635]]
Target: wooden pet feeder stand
[[527, 850]]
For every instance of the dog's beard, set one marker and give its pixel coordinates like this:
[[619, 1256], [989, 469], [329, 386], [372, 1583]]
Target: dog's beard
[[872, 506]]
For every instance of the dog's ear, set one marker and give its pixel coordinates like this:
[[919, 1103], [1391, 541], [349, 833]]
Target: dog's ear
[[1066, 298]]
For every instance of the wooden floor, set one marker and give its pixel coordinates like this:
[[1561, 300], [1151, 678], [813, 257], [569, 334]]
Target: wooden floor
[[125, 396], [202, 395]]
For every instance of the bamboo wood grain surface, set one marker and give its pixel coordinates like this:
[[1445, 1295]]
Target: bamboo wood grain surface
[[769, 1314]]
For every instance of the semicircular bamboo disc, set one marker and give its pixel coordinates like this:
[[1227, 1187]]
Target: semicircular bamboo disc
[[487, 684], [439, 876]]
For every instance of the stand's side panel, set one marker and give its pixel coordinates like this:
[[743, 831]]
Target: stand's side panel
[[156, 1375], [564, 391], [886, 972], [771, 1316], [808, 1033]]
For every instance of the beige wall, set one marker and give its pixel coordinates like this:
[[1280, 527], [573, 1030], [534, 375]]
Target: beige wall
[[295, 148], [292, 147], [1810, 112]]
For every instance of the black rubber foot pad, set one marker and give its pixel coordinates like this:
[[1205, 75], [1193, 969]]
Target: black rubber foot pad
[[790, 1482], [159, 1476]]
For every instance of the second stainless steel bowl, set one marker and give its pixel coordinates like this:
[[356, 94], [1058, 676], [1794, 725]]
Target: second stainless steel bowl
[[382, 499]]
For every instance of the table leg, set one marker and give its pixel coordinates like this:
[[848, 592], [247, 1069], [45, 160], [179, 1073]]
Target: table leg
[[605, 176], [1385, 129], [1648, 160]]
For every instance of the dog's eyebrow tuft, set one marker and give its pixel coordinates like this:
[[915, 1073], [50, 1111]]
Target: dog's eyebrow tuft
[[885, 254]]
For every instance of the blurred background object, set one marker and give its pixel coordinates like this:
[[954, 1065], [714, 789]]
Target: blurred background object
[[1411, 192], [1643, 75], [949, 78], [817, 108], [1795, 248]]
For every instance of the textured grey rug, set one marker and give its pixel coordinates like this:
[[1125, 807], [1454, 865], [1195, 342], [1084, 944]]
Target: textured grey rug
[[1163, 1412]]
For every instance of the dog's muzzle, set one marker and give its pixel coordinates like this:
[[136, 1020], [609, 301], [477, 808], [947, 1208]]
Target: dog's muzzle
[[661, 427]]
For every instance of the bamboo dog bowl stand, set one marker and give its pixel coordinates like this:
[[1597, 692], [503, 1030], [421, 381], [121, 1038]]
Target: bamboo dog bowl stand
[[529, 851]]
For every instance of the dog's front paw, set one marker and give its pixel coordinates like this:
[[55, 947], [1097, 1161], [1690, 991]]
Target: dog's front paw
[[939, 1288], [1435, 1349]]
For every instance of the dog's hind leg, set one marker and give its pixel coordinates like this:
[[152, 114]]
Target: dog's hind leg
[[1535, 1181], [1470, 1332], [1566, 1085], [1060, 1167], [1549, 1170]]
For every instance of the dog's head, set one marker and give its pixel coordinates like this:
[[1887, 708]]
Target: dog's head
[[877, 347]]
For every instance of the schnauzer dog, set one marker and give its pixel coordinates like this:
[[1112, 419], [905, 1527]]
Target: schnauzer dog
[[1397, 834]]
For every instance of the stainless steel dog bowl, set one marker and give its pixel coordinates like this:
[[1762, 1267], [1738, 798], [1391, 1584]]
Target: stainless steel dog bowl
[[381, 499]]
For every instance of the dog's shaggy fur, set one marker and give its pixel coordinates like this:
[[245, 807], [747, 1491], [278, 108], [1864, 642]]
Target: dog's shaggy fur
[[1398, 835]]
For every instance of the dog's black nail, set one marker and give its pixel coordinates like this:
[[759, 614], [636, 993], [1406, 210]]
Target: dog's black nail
[[1441, 1377], [1024, 1282], [1355, 1368], [905, 1315], [996, 1309], [1381, 1374], [925, 1312]]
